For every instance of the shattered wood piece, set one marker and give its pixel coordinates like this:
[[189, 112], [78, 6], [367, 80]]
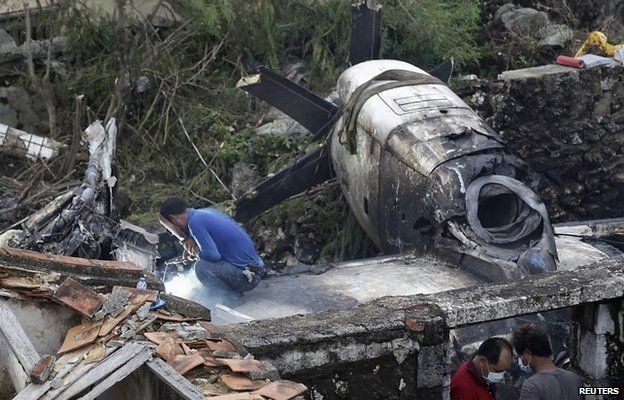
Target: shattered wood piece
[[101, 370], [174, 317], [42, 370], [223, 345], [152, 294], [282, 390], [135, 326], [237, 396], [16, 338], [160, 337], [169, 349], [114, 304], [126, 369], [97, 353], [135, 303], [242, 365], [239, 382], [80, 336], [184, 364], [79, 297], [174, 380]]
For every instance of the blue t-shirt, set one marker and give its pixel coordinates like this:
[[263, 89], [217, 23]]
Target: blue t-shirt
[[221, 238]]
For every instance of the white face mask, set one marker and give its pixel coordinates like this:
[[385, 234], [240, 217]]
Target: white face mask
[[494, 377], [525, 368]]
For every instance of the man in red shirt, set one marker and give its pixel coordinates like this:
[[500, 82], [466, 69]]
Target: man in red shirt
[[475, 379]]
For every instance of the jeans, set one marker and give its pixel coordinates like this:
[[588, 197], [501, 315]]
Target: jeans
[[224, 279]]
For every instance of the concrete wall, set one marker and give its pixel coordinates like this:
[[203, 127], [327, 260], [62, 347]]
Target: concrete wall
[[46, 325], [398, 347]]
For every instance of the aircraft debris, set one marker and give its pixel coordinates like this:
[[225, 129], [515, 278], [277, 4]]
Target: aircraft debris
[[23, 144], [420, 169], [115, 339]]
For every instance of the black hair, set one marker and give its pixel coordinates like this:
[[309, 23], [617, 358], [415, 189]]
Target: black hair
[[491, 349], [173, 206], [533, 338]]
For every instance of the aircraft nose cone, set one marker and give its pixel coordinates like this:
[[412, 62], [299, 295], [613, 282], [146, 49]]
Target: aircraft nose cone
[[537, 261]]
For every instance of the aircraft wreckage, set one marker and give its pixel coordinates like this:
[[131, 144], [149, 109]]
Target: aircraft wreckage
[[418, 167]]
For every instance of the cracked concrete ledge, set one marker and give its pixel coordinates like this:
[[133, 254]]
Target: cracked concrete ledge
[[378, 328]]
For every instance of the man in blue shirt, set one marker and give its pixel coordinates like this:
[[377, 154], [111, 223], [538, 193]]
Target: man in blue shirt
[[228, 262]]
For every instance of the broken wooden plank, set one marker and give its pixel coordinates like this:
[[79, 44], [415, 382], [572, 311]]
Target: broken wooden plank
[[66, 362], [17, 338], [80, 336], [93, 273], [240, 383], [185, 363], [79, 297], [135, 303], [282, 390], [33, 391], [152, 294], [174, 380], [18, 376], [125, 370], [102, 370]]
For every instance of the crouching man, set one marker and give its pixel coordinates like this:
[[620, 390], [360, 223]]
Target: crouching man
[[228, 263]]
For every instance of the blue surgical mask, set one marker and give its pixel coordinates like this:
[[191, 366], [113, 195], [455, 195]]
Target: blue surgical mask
[[525, 368]]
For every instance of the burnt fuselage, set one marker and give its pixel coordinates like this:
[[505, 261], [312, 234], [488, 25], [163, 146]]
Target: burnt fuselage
[[421, 167]]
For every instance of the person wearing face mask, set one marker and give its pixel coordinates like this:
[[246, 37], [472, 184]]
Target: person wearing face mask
[[535, 357], [475, 379]]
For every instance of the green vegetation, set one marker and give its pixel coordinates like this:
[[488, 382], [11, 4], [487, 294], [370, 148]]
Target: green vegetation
[[183, 136]]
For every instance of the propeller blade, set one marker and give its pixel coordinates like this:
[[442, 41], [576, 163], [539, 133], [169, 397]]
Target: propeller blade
[[313, 112], [365, 32], [310, 170]]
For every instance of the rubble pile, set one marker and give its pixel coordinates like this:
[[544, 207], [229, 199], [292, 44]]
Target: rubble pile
[[568, 125], [123, 329]]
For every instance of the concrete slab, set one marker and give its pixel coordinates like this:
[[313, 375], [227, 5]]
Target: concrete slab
[[351, 283]]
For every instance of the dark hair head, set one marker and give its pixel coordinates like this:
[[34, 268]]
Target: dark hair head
[[173, 206], [533, 338], [491, 349]]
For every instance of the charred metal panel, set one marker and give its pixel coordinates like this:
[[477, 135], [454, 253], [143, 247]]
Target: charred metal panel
[[404, 220], [313, 112], [365, 32], [358, 175], [310, 170]]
